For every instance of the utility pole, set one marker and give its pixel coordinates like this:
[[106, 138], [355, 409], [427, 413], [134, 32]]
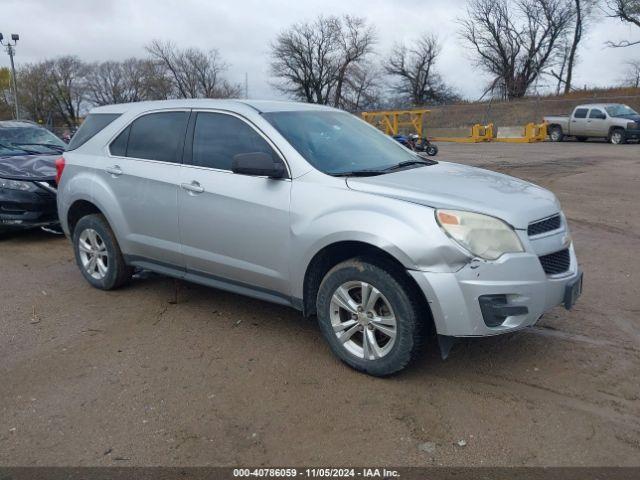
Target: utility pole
[[10, 47]]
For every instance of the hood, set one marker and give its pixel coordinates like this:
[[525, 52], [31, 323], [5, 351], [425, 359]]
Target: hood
[[455, 186], [631, 118], [28, 167]]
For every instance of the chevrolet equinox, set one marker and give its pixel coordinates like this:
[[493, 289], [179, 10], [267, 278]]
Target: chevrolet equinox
[[310, 207]]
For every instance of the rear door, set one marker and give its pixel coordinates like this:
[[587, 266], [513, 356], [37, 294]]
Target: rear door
[[597, 123], [143, 171], [579, 126], [234, 228]]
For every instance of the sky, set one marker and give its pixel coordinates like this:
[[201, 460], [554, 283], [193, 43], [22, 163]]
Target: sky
[[242, 30]]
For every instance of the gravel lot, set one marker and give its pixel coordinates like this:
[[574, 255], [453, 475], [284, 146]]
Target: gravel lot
[[131, 377]]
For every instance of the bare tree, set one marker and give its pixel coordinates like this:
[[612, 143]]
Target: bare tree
[[35, 91], [363, 89], [131, 80], [515, 41], [414, 67], [66, 87], [627, 11], [632, 74], [356, 40], [5, 94], [582, 10], [193, 72], [313, 61]]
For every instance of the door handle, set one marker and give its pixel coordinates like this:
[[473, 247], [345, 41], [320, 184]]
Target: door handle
[[115, 170], [193, 187]]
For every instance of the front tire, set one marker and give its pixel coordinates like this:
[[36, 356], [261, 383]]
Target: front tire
[[98, 254], [618, 136], [370, 316], [432, 150], [555, 134]]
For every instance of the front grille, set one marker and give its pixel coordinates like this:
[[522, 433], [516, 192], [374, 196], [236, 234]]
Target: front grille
[[556, 263], [543, 226]]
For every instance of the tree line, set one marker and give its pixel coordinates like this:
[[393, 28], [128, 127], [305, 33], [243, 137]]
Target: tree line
[[334, 60]]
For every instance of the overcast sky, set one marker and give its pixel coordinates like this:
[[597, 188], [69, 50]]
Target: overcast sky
[[242, 30]]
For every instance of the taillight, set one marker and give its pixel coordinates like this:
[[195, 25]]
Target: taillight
[[59, 169]]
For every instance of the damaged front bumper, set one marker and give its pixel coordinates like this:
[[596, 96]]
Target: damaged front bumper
[[28, 209]]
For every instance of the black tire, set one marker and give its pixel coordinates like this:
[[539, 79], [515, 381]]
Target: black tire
[[618, 136], [118, 272], [582, 139], [404, 301], [432, 150], [555, 134]]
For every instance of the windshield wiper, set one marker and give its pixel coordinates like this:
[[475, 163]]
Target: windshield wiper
[[52, 146], [408, 163], [360, 173], [13, 147]]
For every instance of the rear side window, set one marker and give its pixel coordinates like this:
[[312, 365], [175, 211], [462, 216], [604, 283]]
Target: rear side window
[[581, 113], [218, 137], [156, 136], [93, 124]]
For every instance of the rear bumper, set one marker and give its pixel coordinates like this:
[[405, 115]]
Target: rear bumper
[[516, 287], [19, 209]]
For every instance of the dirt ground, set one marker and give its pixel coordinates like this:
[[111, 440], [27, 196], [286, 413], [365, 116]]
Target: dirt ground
[[131, 378]]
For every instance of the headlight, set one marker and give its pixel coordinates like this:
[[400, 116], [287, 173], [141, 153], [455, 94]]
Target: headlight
[[483, 236], [17, 185]]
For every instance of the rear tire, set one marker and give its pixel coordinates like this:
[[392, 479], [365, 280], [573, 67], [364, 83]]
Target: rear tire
[[370, 316], [431, 150], [98, 254], [555, 134], [618, 136]]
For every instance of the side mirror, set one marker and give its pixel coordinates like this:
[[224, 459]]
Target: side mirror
[[258, 164]]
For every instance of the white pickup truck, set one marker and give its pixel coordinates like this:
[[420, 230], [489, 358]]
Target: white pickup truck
[[613, 121]]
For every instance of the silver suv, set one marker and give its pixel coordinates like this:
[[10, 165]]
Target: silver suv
[[310, 207]]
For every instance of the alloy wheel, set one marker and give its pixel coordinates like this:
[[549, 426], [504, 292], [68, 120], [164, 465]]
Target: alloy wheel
[[93, 254], [363, 320]]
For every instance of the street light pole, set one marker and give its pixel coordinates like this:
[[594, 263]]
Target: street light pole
[[10, 47]]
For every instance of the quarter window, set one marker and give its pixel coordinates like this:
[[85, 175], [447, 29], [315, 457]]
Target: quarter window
[[218, 137], [581, 113], [156, 136]]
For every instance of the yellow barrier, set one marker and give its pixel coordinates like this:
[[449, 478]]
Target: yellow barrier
[[479, 133], [532, 133], [391, 121]]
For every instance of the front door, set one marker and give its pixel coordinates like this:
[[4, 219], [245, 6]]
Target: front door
[[579, 126], [233, 228], [597, 123]]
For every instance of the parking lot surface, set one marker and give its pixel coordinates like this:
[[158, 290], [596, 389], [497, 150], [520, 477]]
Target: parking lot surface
[[134, 377]]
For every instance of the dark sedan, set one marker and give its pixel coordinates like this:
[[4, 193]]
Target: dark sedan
[[27, 175]]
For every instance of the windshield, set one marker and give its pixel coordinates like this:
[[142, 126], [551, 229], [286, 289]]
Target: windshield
[[29, 140], [338, 142], [620, 111]]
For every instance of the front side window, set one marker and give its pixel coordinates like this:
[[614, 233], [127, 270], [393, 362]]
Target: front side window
[[218, 137], [156, 136], [596, 113], [338, 142], [581, 113]]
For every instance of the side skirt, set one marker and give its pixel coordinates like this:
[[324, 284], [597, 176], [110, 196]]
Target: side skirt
[[214, 281]]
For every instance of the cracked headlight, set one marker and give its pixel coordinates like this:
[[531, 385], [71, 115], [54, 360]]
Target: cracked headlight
[[17, 185], [481, 235]]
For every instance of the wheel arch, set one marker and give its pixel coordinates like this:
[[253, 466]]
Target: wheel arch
[[334, 253]]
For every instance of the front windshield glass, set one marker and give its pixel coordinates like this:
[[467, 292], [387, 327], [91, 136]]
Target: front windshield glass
[[620, 111], [338, 142], [23, 140]]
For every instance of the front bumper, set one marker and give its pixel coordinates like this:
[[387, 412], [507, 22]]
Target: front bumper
[[518, 278], [20, 209], [633, 133]]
